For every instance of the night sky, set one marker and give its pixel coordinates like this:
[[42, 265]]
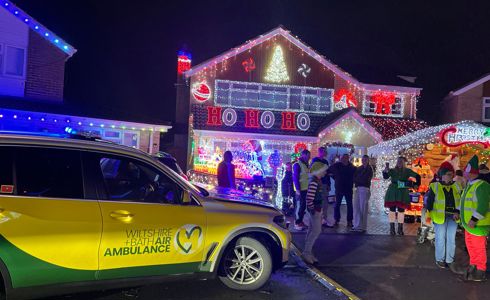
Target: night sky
[[126, 60]]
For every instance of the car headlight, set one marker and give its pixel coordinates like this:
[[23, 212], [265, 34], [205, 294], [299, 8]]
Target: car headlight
[[281, 221]]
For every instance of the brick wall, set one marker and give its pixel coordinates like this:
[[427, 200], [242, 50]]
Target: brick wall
[[45, 69], [470, 105], [449, 109]]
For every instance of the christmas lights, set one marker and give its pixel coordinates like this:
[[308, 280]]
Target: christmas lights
[[183, 62], [267, 119], [277, 71], [229, 117], [266, 96], [343, 99], [304, 70], [38, 28], [248, 65], [201, 91], [391, 128], [303, 122], [281, 173]]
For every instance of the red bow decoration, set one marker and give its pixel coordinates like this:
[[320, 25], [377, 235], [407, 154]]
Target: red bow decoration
[[249, 65], [383, 102], [343, 98]]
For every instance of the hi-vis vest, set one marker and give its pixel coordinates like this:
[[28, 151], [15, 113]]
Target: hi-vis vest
[[303, 176], [438, 212], [469, 204]]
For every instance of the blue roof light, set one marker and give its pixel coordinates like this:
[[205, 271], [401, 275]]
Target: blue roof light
[[6, 4], [56, 41], [36, 27], [46, 34], [26, 20]]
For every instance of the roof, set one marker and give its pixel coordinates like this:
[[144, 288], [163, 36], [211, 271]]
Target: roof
[[376, 75], [419, 137], [38, 28], [321, 59], [332, 120], [391, 128], [34, 105], [471, 85]]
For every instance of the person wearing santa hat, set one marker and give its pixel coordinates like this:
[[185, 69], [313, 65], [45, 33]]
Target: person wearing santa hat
[[443, 199], [475, 218]]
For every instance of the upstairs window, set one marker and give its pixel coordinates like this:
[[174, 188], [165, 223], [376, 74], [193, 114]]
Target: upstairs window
[[486, 110], [14, 61]]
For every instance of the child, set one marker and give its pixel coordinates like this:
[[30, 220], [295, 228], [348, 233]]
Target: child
[[314, 202]]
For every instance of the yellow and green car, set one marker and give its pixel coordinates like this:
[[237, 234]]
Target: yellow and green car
[[80, 215]]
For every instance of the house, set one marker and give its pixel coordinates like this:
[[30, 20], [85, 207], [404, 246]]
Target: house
[[32, 71], [470, 102], [267, 99]]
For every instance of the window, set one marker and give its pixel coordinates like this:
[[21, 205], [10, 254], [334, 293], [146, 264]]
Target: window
[[369, 107], [272, 96], [129, 180], [14, 61], [52, 173], [486, 110], [6, 171]]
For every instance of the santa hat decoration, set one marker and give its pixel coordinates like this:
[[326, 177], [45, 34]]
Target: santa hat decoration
[[444, 168], [472, 166]]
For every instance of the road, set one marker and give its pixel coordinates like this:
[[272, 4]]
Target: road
[[290, 283], [395, 268]]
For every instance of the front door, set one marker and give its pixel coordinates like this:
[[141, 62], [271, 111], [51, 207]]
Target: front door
[[147, 230], [49, 230]]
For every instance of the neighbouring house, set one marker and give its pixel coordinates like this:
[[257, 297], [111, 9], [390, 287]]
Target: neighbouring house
[[470, 102], [32, 71]]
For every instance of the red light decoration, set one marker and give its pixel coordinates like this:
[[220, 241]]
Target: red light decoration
[[393, 128], [249, 65], [201, 92], [383, 102], [300, 147], [251, 118], [343, 98], [288, 120], [214, 116], [183, 63], [454, 129]]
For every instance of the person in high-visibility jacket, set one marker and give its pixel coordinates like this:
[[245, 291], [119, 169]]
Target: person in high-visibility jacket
[[475, 218], [443, 199]]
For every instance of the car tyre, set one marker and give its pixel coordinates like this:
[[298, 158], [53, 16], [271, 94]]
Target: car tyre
[[246, 265]]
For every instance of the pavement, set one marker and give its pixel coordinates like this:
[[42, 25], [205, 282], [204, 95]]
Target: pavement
[[378, 266], [291, 282]]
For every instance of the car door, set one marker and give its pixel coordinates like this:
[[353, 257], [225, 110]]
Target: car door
[[147, 229], [49, 231]]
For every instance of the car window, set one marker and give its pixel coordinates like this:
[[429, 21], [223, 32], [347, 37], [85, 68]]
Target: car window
[[6, 171], [130, 180], [53, 173]]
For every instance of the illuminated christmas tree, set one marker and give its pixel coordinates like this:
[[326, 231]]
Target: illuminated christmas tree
[[277, 71]]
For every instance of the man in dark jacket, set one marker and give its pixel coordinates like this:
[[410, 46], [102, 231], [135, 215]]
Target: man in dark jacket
[[288, 190], [343, 174]]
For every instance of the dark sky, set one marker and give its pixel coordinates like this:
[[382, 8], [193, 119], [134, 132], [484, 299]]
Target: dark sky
[[126, 60]]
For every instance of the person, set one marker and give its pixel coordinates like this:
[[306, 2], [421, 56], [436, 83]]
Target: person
[[484, 172], [397, 197], [343, 174], [362, 182], [314, 204], [226, 171], [475, 218], [459, 178], [320, 159], [300, 182], [443, 199], [287, 189]]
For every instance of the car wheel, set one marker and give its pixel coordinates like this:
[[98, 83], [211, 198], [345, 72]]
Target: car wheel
[[246, 265]]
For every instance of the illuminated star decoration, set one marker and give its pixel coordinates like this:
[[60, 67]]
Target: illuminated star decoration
[[343, 99], [383, 102], [304, 70], [249, 65]]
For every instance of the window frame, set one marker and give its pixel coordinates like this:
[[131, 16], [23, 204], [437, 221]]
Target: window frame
[[39, 147], [102, 190], [4, 62], [367, 102], [484, 106]]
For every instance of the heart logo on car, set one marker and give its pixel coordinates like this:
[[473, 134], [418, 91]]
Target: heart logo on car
[[188, 239]]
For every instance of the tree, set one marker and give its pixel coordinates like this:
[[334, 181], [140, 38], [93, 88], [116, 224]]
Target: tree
[[277, 71]]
